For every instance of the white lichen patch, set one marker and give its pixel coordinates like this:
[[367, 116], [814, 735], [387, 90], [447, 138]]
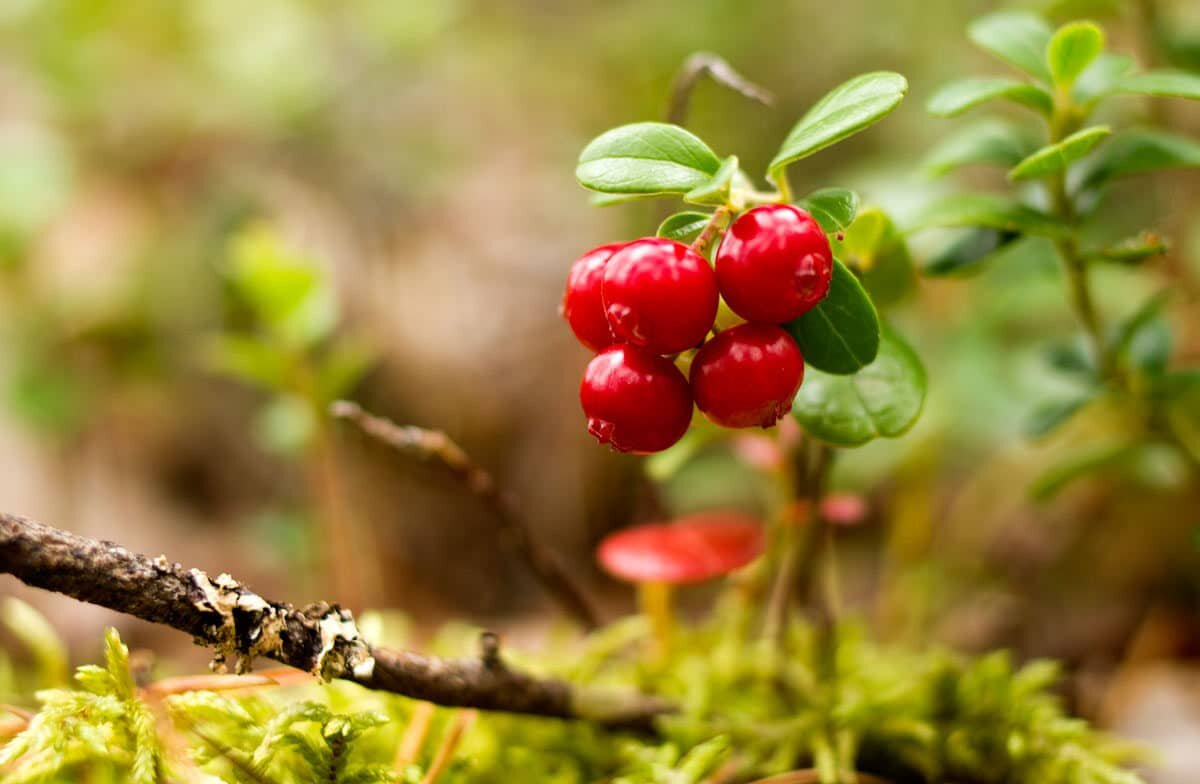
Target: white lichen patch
[[224, 596], [343, 651]]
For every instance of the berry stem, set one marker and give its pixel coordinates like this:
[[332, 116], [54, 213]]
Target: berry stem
[[713, 229]]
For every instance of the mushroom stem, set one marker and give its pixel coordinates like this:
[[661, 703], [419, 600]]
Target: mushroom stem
[[654, 602]]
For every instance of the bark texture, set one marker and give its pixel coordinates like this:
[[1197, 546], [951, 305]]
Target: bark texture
[[323, 639]]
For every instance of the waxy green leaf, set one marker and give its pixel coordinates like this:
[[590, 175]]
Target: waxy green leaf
[[1073, 48], [684, 226], [1016, 37], [957, 97], [1162, 84], [1054, 158], [882, 400], [987, 210], [1101, 76], [1133, 250], [1139, 151], [1046, 417], [844, 111], [972, 247], [841, 334], [716, 190], [992, 143], [833, 208], [646, 158], [878, 254]]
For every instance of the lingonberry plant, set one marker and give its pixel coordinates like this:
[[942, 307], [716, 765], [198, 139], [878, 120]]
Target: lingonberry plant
[[1067, 172], [775, 267]]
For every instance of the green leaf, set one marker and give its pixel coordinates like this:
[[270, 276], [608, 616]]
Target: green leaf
[[342, 368], [1143, 339], [959, 96], [247, 359], [1055, 157], [716, 190], [989, 211], [969, 248], [684, 226], [1016, 37], [1133, 250], [1048, 416], [991, 142], [878, 254], [1101, 76], [833, 208], [841, 334], [646, 158], [882, 400], [1090, 461], [844, 111], [1162, 84], [285, 288], [1073, 48], [1139, 151]]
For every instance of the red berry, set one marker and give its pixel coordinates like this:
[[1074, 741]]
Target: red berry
[[634, 400], [660, 295], [747, 376], [581, 304], [774, 264]]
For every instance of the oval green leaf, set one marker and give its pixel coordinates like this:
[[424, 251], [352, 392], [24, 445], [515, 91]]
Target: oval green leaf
[[957, 97], [882, 400], [1133, 250], [987, 210], [964, 252], [1016, 37], [844, 111], [645, 159], [841, 334], [833, 208], [684, 226], [1162, 84], [877, 252], [1073, 48], [1054, 158], [990, 143], [1101, 76], [716, 190], [1140, 151]]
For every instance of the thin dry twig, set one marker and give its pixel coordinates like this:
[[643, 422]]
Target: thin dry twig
[[720, 71], [445, 752], [322, 639], [414, 735], [436, 445]]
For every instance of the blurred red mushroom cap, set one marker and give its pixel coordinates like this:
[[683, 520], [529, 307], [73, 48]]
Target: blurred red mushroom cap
[[690, 549], [844, 508]]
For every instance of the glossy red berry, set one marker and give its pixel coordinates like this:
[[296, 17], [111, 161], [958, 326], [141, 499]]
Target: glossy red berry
[[660, 295], [634, 400], [581, 303], [774, 264], [746, 376]]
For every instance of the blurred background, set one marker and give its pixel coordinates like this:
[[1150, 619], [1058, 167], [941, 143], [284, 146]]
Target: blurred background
[[403, 171]]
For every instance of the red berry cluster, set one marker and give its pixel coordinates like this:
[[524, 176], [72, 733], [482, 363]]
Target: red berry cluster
[[638, 303]]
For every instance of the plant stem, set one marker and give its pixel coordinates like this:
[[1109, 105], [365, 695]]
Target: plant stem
[[712, 230], [1074, 265], [800, 557], [654, 602]]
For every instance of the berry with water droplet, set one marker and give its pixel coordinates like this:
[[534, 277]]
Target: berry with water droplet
[[660, 295], [635, 401], [747, 376], [774, 264], [581, 303]]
